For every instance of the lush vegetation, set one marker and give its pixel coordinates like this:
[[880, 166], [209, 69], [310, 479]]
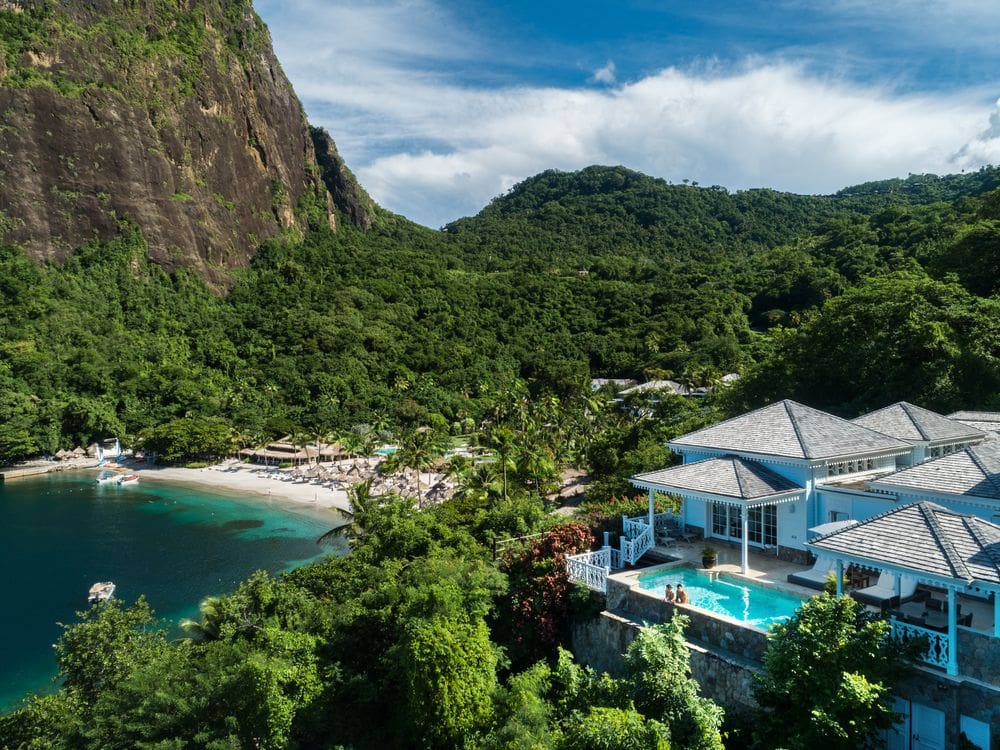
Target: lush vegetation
[[844, 302], [828, 677], [490, 328], [394, 645]]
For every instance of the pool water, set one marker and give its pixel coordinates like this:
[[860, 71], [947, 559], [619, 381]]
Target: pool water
[[751, 604], [386, 450]]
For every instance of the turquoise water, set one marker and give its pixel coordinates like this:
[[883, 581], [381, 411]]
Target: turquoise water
[[743, 601], [176, 544], [386, 450]]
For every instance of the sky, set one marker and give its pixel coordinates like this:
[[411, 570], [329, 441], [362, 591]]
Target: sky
[[439, 106]]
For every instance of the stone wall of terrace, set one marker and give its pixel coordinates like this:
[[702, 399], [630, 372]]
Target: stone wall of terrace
[[601, 643], [979, 656]]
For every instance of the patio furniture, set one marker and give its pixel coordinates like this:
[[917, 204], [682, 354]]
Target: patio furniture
[[883, 594], [817, 576]]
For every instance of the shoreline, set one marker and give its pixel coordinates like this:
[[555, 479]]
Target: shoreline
[[243, 479]]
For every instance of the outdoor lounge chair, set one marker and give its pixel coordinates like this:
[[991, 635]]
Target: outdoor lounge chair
[[818, 575], [883, 593]]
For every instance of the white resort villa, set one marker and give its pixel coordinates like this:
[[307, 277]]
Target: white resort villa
[[899, 507]]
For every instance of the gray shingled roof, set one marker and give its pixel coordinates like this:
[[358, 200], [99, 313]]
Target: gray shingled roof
[[915, 424], [972, 471], [790, 429], [987, 421], [923, 537], [728, 476]]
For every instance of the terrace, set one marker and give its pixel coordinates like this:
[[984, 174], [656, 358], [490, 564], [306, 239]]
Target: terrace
[[958, 621]]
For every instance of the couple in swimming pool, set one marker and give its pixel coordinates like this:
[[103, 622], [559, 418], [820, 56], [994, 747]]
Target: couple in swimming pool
[[680, 595]]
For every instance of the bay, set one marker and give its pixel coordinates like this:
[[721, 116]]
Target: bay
[[59, 533]]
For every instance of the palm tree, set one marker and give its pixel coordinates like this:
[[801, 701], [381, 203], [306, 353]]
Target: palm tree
[[352, 529], [206, 627], [418, 449]]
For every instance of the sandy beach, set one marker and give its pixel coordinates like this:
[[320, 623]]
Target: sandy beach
[[250, 480]]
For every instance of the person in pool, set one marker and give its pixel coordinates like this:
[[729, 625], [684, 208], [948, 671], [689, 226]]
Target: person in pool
[[669, 595], [682, 594]]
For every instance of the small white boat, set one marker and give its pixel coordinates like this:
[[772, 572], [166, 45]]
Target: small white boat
[[128, 479], [107, 476], [101, 592]]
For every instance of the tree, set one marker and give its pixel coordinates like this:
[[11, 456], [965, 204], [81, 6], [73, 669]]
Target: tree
[[107, 645], [450, 670], [190, 437], [533, 617], [828, 675], [659, 676], [418, 449], [604, 728]]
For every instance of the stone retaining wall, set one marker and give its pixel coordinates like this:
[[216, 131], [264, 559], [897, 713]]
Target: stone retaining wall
[[602, 642], [979, 656]]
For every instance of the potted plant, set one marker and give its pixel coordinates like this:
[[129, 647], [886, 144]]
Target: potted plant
[[709, 556]]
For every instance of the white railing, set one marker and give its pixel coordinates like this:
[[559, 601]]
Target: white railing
[[937, 642], [616, 558], [632, 527], [640, 543], [664, 520], [590, 569]]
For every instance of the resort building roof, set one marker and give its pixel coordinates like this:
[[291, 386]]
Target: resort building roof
[[792, 430], [724, 477], [987, 421], [915, 424], [973, 471], [922, 537], [678, 389]]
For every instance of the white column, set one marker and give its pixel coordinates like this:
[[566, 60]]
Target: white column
[[746, 544], [652, 527], [840, 577], [952, 634]]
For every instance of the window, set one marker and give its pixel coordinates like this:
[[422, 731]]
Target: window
[[762, 523]]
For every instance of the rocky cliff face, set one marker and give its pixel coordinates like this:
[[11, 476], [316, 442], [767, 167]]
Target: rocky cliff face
[[171, 114]]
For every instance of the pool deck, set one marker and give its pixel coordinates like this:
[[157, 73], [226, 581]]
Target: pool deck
[[765, 568]]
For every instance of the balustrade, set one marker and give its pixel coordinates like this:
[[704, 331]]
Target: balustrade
[[937, 642]]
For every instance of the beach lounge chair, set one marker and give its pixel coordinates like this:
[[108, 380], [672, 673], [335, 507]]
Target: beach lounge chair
[[883, 593], [817, 576]]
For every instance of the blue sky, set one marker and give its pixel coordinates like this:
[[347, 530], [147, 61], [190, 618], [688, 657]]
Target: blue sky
[[439, 106]]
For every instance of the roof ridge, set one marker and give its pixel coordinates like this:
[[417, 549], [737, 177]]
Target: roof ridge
[[979, 465], [947, 547], [984, 544], [795, 425], [905, 406], [737, 464]]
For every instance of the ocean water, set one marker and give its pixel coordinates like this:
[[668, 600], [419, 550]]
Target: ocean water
[[176, 544]]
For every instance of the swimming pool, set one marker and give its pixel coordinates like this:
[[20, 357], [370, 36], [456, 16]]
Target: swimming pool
[[741, 600], [386, 450]]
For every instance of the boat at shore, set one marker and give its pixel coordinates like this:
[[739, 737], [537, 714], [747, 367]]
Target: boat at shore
[[101, 592], [127, 480], [107, 476]]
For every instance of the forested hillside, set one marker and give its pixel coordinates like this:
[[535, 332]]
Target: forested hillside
[[845, 303]]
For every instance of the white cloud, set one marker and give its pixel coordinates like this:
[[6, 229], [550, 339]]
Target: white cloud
[[433, 148], [605, 74]]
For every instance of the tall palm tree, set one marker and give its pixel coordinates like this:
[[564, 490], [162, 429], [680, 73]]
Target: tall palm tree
[[352, 529], [206, 627], [418, 449]]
